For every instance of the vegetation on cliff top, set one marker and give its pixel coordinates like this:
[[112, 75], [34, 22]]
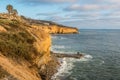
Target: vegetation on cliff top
[[44, 22], [11, 10], [16, 42]]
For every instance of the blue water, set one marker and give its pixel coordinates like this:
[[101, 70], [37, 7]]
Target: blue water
[[102, 45]]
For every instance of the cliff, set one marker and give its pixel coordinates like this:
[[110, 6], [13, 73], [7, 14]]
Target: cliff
[[24, 52], [50, 27], [47, 26], [55, 29], [25, 48]]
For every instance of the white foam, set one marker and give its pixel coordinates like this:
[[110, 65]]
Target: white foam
[[58, 46], [102, 62], [67, 65], [58, 37], [64, 69], [88, 56], [56, 51], [63, 38], [54, 37]]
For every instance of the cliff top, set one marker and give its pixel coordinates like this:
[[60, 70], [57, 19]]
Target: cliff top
[[44, 22], [31, 21]]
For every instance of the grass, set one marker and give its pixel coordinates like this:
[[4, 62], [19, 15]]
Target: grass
[[17, 42], [18, 45]]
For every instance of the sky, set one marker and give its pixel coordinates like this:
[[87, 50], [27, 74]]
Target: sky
[[83, 14]]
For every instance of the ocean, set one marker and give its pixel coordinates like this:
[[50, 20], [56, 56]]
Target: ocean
[[101, 48]]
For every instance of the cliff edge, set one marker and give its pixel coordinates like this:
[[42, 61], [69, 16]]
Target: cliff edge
[[25, 48], [51, 27]]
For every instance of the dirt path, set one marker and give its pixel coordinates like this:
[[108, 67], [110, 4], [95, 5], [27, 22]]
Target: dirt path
[[18, 71]]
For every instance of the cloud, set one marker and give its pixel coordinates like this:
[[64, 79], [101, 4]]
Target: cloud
[[94, 24], [71, 17], [81, 12], [99, 1], [78, 7], [93, 5], [35, 2], [115, 14], [90, 7], [58, 18], [47, 14], [114, 1], [86, 15]]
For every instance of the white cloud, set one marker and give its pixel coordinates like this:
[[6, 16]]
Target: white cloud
[[94, 24], [58, 0], [115, 14], [114, 1], [47, 14], [91, 7], [57, 18], [46, 1]]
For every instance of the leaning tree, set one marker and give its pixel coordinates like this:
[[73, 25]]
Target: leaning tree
[[9, 8]]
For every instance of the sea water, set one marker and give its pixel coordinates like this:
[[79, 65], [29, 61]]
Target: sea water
[[102, 55]]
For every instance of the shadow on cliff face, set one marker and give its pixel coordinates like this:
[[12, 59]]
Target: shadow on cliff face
[[4, 75], [48, 70]]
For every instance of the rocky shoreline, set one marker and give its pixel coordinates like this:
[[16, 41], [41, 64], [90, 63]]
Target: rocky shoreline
[[59, 56], [62, 55]]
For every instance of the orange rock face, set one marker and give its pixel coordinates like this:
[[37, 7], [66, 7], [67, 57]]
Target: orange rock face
[[2, 29], [55, 29], [42, 44]]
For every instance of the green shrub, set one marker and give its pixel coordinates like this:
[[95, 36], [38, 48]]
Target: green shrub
[[18, 45]]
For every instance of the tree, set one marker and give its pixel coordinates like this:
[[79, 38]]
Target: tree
[[9, 8], [14, 12]]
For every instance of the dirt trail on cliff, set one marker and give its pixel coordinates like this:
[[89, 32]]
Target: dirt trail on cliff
[[18, 71]]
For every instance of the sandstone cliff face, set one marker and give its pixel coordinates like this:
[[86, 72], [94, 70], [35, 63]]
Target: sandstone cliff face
[[42, 44], [55, 29], [2, 29], [50, 27], [30, 43], [24, 69], [45, 61], [15, 71]]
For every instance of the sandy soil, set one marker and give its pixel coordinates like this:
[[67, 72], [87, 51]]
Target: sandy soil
[[18, 71]]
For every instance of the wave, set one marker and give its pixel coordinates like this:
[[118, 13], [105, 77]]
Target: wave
[[62, 38], [54, 37], [64, 69], [102, 62], [59, 46], [58, 37], [67, 64], [88, 57]]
